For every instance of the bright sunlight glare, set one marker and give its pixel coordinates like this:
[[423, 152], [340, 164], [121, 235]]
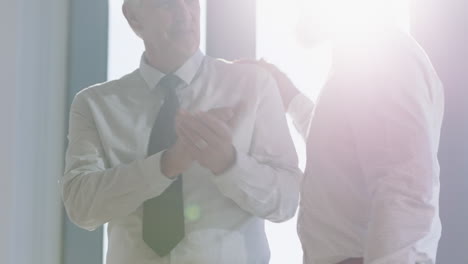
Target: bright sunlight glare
[[346, 17]]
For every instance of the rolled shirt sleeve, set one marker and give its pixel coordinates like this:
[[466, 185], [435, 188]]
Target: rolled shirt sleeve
[[265, 181]]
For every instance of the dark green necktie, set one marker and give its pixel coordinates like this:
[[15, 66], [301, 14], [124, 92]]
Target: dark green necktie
[[163, 216]]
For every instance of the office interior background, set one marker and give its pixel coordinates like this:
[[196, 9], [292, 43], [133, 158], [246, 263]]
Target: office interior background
[[51, 49]]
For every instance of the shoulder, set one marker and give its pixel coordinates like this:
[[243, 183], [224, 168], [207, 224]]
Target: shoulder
[[240, 71], [374, 53], [113, 87], [249, 83], [390, 64], [246, 79]]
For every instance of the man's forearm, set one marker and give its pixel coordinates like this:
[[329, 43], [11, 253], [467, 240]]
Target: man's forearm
[[92, 197], [300, 110]]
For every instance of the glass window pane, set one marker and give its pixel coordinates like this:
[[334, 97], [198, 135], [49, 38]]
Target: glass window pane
[[278, 43]]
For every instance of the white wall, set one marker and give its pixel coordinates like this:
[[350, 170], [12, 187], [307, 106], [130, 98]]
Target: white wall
[[7, 122], [441, 28], [32, 110]]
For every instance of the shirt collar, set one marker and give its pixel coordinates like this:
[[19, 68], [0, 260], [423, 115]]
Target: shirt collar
[[186, 72]]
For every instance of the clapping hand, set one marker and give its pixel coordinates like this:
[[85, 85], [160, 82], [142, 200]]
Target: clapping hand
[[207, 137]]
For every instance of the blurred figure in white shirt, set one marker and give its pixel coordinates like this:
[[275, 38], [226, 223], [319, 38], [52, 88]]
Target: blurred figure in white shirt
[[370, 193]]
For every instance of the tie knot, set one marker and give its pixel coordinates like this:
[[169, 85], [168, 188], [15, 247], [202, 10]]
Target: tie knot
[[169, 82]]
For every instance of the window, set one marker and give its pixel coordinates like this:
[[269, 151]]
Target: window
[[308, 68]]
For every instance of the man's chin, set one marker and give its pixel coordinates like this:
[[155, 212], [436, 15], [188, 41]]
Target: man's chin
[[187, 48]]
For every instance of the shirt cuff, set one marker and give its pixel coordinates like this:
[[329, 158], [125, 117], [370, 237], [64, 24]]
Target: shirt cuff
[[154, 178], [297, 105], [231, 176]]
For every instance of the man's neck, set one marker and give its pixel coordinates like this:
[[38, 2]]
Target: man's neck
[[166, 62]]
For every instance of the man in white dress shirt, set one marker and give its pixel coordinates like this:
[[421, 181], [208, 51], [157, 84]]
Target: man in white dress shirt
[[233, 150], [370, 192]]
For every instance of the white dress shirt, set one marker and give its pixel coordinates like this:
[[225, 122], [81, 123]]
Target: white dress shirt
[[371, 186], [108, 174]]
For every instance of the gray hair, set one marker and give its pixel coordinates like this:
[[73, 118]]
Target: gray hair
[[133, 2]]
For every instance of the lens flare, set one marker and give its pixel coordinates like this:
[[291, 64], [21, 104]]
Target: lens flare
[[192, 213]]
